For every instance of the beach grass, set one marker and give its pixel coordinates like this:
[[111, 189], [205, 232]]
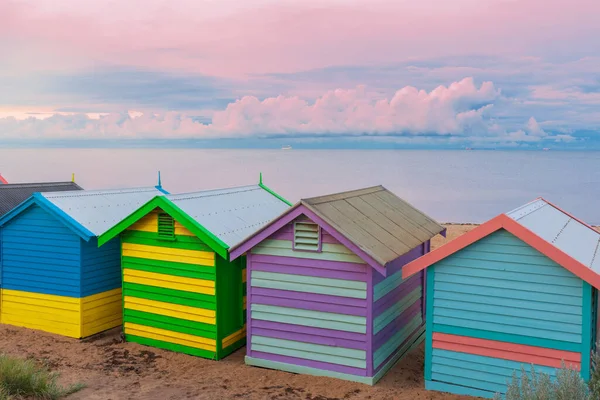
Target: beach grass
[[26, 378]]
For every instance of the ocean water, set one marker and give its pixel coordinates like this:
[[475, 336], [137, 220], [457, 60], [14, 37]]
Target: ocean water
[[451, 186]]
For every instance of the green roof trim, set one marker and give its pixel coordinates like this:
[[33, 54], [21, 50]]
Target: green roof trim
[[269, 190], [216, 244]]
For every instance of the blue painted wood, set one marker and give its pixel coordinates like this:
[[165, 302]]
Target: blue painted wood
[[101, 266], [478, 372], [586, 345], [429, 327], [486, 296], [30, 263], [454, 389]]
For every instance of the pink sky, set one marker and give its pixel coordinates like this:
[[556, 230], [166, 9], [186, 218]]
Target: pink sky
[[240, 62]]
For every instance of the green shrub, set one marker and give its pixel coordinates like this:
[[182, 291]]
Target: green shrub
[[595, 376], [26, 378]]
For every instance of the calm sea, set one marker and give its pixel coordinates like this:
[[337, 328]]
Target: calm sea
[[451, 186]]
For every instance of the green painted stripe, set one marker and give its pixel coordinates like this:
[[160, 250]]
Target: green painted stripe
[[327, 316], [406, 349], [170, 268], [505, 337], [172, 347], [183, 298], [383, 319], [233, 347], [387, 285], [311, 280], [170, 323], [297, 369], [330, 252], [306, 284], [308, 351], [382, 353], [586, 347], [311, 347], [312, 322], [152, 239]]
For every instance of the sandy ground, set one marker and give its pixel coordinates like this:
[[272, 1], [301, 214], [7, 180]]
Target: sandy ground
[[114, 370]]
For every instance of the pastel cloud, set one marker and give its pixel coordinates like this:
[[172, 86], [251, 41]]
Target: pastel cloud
[[460, 109]]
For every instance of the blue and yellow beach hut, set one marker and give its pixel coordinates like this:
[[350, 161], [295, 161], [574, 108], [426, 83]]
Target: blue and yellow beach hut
[[54, 276]]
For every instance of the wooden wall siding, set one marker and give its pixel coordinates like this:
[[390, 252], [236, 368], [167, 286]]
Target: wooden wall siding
[[501, 285], [100, 267], [329, 251], [40, 255], [178, 295], [49, 313], [309, 312], [101, 311], [486, 374], [499, 304]]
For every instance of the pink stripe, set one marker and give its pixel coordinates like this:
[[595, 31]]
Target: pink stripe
[[309, 363], [397, 324], [506, 351], [359, 337], [308, 271], [396, 295], [321, 298], [310, 263], [301, 337], [309, 305], [411, 338]]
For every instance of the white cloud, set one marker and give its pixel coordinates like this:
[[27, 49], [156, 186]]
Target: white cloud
[[460, 110]]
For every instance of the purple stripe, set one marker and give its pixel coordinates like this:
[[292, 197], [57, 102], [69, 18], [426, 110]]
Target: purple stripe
[[399, 262], [302, 337], [306, 271], [309, 305], [396, 295], [310, 263], [289, 236], [249, 262], [424, 276], [309, 363], [308, 330], [397, 324], [411, 338], [321, 298], [370, 322]]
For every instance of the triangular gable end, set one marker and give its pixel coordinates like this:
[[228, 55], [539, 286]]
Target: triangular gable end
[[41, 201], [170, 208], [504, 222], [291, 215]]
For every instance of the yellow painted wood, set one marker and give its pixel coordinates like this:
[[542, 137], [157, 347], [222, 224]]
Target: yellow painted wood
[[49, 313], [244, 275], [234, 337], [169, 281], [170, 336], [245, 302], [171, 310], [196, 257], [147, 224], [101, 312], [182, 230]]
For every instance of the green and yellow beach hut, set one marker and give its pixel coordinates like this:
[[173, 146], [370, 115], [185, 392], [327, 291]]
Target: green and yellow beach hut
[[181, 292]]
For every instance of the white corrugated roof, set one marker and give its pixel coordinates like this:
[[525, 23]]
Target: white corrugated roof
[[555, 226], [231, 214], [100, 210]]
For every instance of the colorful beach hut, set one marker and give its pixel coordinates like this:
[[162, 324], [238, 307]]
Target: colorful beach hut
[[326, 295], [181, 292], [520, 289], [54, 277], [13, 194], [2, 180]]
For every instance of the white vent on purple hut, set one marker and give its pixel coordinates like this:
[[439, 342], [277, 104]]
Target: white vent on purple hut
[[307, 236]]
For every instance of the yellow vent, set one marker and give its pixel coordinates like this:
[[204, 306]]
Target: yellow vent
[[166, 226]]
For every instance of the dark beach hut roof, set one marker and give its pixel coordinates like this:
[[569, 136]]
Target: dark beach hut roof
[[376, 220], [13, 194]]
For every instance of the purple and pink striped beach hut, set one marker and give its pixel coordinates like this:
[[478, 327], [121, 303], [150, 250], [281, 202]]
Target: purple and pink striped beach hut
[[325, 290]]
